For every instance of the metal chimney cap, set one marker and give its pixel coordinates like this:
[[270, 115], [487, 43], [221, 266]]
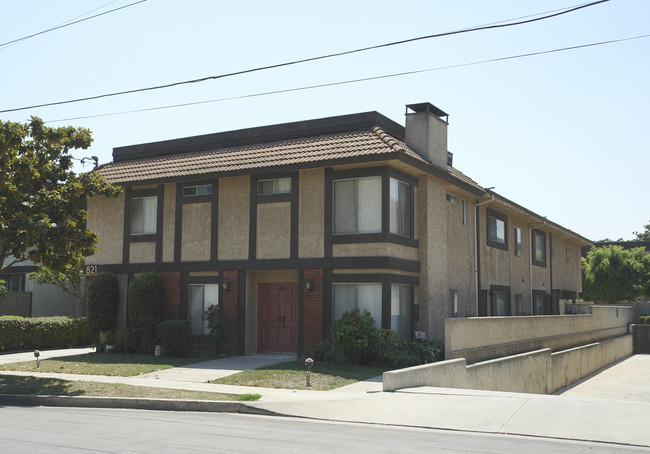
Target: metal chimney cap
[[426, 107]]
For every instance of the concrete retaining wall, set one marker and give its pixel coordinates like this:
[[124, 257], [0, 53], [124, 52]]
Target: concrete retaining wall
[[539, 372], [482, 338], [641, 336]]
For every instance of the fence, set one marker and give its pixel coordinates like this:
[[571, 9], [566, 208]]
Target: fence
[[16, 303]]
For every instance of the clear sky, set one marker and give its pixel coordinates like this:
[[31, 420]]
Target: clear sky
[[563, 134]]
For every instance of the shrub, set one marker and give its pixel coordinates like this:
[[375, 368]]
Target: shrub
[[174, 336], [102, 299], [645, 319], [45, 332], [216, 319], [145, 309], [352, 338]]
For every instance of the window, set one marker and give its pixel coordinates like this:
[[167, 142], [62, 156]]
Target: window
[[400, 208], [463, 212], [453, 302], [201, 189], [539, 248], [452, 199], [15, 282], [517, 241], [144, 215], [566, 253], [362, 296], [201, 297], [496, 230], [500, 300], [357, 205], [274, 186], [400, 310]]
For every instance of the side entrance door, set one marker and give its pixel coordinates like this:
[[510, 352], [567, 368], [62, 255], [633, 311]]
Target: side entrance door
[[278, 317]]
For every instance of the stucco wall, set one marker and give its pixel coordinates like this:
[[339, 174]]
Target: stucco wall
[[169, 224], [197, 225], [478, 339], [539, 372], [273, 230], [234, 203], [106, 220], [375, 250], [142, 252], [311, 214]]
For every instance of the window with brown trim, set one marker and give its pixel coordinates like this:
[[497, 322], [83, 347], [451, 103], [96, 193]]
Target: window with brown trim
[[497, 230], [538, 244]]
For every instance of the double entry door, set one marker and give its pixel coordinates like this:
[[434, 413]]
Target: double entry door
[[278, 317]]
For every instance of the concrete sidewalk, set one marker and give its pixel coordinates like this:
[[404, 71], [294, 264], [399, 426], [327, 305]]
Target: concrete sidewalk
[[612, 406]]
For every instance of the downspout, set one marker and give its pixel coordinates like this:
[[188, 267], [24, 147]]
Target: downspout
[[530, 263], [477, 250]]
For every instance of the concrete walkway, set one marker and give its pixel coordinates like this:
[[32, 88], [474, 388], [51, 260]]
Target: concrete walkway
[[611, 407]]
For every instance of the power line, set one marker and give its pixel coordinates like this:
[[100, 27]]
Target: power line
[[352, 81], [295, 62], [68, 24]]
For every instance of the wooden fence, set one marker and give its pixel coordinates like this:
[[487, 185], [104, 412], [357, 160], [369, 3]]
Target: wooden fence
[[16, 303]]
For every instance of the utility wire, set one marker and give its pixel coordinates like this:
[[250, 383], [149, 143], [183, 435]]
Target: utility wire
[[295, 62], [353, 81], [68, 24]]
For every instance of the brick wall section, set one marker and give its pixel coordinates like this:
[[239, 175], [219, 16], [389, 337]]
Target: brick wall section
[[314, 303], [230, 311], [172, 292]]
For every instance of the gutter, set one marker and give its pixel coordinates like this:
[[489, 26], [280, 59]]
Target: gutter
[[477, 249]]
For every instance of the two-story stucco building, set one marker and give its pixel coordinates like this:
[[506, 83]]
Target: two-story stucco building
[[290, 225]]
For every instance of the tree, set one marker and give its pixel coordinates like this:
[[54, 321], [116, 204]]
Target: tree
[[611, 274], [145, 299], [643, 236], [41, 198]]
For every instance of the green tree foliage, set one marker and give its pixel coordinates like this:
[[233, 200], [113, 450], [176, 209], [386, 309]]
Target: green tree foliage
[[611, 274], [645, 235], [41, 198], [103, 299]]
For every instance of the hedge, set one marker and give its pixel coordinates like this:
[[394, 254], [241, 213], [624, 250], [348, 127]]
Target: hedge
[[44, 332]]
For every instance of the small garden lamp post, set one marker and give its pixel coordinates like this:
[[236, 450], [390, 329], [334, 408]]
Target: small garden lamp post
[[36, 355], [309, 363]]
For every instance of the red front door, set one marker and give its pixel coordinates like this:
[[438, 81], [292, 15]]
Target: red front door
[[278, 317]]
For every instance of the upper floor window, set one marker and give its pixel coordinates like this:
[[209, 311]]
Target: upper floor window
[[517, 241], [496, 230], [274, 186], [400, 208], [200, 189], [566, 253], [144, 215], [452, 199], [539, 247], [357, 205]]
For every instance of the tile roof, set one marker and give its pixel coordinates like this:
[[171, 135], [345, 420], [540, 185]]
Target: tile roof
[[310, 149]]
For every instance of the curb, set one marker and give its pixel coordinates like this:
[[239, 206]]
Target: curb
[[133, 403]]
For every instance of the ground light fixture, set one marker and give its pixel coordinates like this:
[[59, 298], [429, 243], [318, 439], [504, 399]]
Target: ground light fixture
[[309, 363], [36, 355]]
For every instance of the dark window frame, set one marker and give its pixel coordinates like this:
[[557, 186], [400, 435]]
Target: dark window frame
[[500, 217], [500, 289], [518, 240], [536, 234]]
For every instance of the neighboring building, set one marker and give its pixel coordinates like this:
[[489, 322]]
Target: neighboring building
[[290, 225], [28, 298]]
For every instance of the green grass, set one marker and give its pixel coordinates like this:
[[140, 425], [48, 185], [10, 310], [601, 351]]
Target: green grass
[[121, 365], [11, 384], [324, 376]]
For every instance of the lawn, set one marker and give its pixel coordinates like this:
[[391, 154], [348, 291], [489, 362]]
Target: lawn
[[324, 376], [11, 384], [121, 365]]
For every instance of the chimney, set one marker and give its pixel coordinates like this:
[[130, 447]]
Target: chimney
[[426, 132]]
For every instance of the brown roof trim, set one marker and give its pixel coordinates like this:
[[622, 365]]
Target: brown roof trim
[[505, 201], [249, 136]]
